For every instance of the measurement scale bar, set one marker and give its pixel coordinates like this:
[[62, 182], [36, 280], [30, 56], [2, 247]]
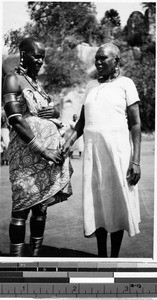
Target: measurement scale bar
[[135, 275], [91, 280], [78, 279], [37, 290]]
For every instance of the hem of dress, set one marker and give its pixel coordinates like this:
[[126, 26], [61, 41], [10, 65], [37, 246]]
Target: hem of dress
[[91, 235], [52, 196]]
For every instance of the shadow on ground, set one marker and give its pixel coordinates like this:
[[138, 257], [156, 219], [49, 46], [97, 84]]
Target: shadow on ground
[[47, 251]]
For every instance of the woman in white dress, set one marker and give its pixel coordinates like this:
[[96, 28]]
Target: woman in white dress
[[111, 126]]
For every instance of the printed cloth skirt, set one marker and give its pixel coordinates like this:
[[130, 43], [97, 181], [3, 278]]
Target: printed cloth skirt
[[33, 179]]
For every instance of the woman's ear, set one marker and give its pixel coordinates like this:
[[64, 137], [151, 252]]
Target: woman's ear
[[22, 54], [117, 59]]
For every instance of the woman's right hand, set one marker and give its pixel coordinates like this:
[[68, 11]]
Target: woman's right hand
[[53, 156], [66, 147]]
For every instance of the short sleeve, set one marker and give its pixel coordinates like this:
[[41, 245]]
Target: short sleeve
[[131, 92]]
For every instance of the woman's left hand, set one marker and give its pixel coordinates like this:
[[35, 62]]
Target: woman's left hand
[[49, 112], [133, 174]]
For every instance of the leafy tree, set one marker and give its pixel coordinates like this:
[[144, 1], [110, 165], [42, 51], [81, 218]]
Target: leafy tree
[[113, 17], [142, 71], [135, 30], [150, 5], [63, 69], [60, 26], [62, 19], [14, 37], [63, 25], [108, 24]]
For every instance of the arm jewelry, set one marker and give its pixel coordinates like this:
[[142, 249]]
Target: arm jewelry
[[12, 106], [135, 163], [72, 138], [36, 146]]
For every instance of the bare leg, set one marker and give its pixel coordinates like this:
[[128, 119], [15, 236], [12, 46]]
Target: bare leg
[[101, 236], [116, 240]]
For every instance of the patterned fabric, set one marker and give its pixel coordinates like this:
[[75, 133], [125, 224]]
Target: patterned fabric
[[33, 179]]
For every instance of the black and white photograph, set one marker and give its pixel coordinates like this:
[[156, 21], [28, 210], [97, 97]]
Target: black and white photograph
[[78, 130]]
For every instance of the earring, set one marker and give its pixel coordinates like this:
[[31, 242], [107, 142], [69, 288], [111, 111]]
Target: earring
[[21, 62], [21, 67], [117, 71]]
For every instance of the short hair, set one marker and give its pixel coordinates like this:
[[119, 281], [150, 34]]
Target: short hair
[[113, 48], [28, 44]]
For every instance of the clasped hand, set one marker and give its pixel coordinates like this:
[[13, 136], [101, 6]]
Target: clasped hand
[[66, 148], [49, 112], [133, 174], [54, 156]]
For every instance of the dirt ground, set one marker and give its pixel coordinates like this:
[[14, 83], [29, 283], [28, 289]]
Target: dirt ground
[[64, 229]]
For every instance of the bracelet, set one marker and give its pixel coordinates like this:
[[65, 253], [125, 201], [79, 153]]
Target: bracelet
[[13, 115], [36, 146], [71, 141], [135, 163]]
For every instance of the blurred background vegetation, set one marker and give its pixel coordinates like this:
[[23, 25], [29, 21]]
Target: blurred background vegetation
[[72, 33]]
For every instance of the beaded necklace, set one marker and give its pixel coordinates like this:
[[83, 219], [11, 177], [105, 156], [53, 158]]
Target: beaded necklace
[[34, 84]]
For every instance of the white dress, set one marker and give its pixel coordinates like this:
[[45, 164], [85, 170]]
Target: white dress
[[108, 200]]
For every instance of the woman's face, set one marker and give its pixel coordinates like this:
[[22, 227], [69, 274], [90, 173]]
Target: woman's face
[[105, 61], [33, 58]]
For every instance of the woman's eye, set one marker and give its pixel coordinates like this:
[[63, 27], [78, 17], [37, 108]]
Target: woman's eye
[[38, 57], [101, 59]]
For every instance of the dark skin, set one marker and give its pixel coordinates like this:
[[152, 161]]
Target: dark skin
[[106, 60], [33, 58]]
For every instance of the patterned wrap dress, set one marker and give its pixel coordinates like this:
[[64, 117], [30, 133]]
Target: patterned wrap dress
[[33, 179], [108, 200]]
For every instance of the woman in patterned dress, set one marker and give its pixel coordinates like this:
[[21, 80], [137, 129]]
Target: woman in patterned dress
[[111, 164], [39, 175]]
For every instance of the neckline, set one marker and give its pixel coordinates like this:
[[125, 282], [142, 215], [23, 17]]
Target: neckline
[[110, 80]]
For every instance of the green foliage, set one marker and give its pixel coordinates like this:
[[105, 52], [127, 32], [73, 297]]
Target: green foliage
[[136, 32], [142, 73], [108, 26], [12, 40], [63, 69], [113, 17], [150, 5], [14, 37], [62, 19], [63, 25]]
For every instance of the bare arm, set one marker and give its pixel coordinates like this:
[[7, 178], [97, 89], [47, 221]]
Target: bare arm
[[79, 127], [78, 131], [134, 172], [11, 90], [12, 106]]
